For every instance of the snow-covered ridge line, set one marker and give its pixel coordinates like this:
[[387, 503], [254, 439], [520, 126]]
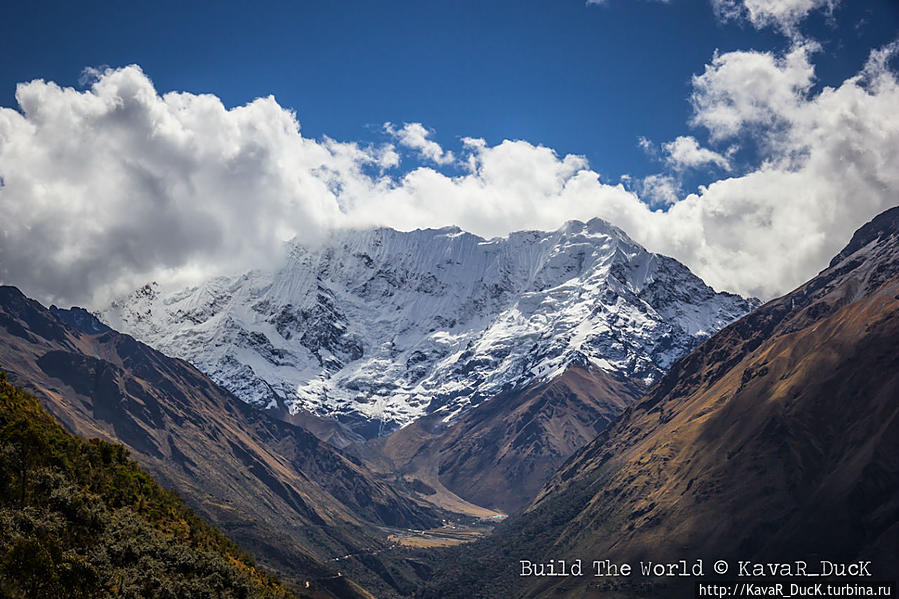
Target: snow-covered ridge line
[[378, 327]]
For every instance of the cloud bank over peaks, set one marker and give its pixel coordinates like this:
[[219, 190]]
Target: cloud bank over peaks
[[114, 183], [829, 158], [109, 187]]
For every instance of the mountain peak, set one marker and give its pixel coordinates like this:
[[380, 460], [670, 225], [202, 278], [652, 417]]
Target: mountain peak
[[882, 227], [10, 291], [594, 225], [450, 229]]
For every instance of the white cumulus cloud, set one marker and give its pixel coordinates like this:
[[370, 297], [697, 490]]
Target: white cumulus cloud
[[744, 89], [783, 14], [660, 189], [685, 152], [415, 137]]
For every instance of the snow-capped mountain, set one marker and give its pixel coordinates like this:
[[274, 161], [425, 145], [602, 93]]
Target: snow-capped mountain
[[379, 327]]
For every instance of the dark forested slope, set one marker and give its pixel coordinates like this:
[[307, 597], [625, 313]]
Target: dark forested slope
[[79, 519]]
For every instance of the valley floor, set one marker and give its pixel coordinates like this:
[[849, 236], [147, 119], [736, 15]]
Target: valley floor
[[448, 535]]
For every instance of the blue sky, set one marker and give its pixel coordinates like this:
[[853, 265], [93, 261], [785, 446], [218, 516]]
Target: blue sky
[[581, 79], [747, 138]]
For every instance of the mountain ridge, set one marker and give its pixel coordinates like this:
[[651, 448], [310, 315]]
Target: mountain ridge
[[376, 328]]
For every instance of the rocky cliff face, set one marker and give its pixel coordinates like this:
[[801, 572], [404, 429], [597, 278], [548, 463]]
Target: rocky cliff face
[[377, 328], [499, 453]]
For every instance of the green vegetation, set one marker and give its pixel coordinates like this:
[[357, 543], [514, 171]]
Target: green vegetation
[[78, 519]]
